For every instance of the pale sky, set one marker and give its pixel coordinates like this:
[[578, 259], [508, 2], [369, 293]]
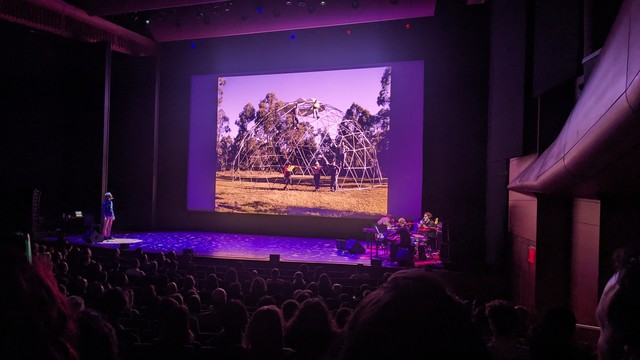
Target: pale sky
[[339, 88]]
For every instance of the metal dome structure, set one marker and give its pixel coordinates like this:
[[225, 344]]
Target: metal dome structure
[[305, 132]]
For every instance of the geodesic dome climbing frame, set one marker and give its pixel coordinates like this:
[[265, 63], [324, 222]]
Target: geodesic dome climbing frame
[[304, 132]]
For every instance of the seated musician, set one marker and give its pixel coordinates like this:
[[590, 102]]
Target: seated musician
[[401, 239], [428, 226], [427, 222], [387, 221]]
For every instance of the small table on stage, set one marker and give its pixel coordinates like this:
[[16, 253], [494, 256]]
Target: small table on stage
[[376, 239]]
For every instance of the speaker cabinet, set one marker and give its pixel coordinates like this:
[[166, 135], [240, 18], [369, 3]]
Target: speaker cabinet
[[352, 246], [92, 236], [355, 247]]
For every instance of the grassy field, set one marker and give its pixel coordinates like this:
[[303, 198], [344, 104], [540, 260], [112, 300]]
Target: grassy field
[[265, 195]]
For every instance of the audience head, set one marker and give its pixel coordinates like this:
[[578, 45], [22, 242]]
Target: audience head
[[618, 312], [303, 268], [177, 297], [302, 296], [171, 288], [311, 330], [234, 316], [422, 307], [218, 297], [258, 286], [289, 309], [266, 300], [193, 304], [234, 290], [275, 274], [97, 338], [231, 276], [175, 326], [114, 303], [502, 318], [264, 334], [554, 337], [76, 305], [342, 316], [313, 287], [36, 320], [298, 276], [212, 282], [337, 290], [319, 270]]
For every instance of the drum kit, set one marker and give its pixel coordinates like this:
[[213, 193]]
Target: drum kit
[[421, 240]]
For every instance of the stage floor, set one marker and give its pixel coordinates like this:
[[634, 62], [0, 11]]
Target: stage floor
[[246, 247]]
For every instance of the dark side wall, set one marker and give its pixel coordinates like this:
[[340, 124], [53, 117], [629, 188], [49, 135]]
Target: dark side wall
[[52, 130], [51, 116], [454, 47]]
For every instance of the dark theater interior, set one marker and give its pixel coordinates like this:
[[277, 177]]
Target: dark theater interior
[[320, 179]]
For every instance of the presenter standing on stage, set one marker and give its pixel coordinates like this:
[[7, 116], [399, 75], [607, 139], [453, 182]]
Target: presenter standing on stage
[[108, 216]]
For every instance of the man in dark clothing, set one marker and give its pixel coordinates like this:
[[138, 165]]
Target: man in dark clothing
[[333, 171]]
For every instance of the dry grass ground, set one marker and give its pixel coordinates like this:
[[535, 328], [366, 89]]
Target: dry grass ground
[[265, 195]]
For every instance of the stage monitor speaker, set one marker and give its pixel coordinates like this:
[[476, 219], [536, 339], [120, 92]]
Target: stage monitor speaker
[[274, 258], [354, 247], [92, 236]]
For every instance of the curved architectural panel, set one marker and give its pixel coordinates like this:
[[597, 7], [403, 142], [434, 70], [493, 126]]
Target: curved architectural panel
[[603, 129]]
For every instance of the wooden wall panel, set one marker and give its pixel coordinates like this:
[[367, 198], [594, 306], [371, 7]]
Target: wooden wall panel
[[585, 253]]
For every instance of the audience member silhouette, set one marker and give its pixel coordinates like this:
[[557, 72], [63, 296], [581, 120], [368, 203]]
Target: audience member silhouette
[[504, 345], [618, 311], [265, 300], [211, 283], [134, 270], [342, 316], [360, 274], [211, 320], [324, 286], [114, 302], [264, 336], [554, 338], [36, 320], [97, 338], [412, 306], [188, 287], [313, 288], [311, 332], [298, 281], [289, 309], [257, 290], [234, 322], [175, 329]]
